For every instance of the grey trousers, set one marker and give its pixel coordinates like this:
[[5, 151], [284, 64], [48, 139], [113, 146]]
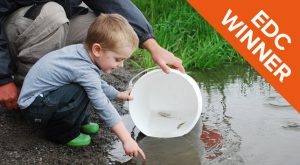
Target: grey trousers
[[29, 40]]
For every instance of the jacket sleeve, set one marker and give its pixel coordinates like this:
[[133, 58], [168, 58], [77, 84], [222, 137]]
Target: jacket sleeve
[[5, 59], [128, 10]]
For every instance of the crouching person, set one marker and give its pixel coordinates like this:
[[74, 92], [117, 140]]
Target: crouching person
[[59, 86]]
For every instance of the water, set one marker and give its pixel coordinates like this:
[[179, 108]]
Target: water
[[244, 121], [181, 150]]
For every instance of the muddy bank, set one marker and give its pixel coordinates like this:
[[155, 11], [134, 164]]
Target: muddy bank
[[22, 143]]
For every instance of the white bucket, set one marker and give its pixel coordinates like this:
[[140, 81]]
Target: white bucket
[[165, 105]]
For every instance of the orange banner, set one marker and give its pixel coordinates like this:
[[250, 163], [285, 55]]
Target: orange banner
[[266, 33]]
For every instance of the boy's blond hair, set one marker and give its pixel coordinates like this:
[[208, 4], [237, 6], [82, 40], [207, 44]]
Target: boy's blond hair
[[111, 31]]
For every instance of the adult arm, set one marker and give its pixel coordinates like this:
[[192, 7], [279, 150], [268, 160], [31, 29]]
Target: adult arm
[[128, 10], [5, 65], [8, 89], [141, 26]]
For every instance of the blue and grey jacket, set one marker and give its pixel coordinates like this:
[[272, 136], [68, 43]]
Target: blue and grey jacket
[[71, 64]]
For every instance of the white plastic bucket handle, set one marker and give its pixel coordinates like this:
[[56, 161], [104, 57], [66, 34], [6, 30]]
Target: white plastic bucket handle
[[130, 84], [134, 79]]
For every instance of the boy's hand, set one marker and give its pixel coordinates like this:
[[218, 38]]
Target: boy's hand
[[130, 146], [132, 149], [125, 95]]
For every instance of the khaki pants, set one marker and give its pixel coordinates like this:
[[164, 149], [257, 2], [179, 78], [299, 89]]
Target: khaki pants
[[29, 40]]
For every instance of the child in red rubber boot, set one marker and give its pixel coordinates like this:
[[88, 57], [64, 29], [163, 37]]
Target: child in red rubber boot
[[59, 87]]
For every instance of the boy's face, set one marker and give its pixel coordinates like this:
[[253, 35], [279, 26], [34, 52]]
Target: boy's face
[[109, 61]]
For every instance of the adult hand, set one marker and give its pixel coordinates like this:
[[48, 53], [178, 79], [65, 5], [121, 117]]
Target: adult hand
[[163, 57], [9, 95]]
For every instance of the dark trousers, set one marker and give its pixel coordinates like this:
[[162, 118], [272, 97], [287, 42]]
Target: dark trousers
[[62, 112]]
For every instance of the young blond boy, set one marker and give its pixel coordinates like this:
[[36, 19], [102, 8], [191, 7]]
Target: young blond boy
[[59, 87]]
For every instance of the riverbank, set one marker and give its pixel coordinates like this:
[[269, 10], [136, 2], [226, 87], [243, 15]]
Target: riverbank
[[23, 143], [182, 31]]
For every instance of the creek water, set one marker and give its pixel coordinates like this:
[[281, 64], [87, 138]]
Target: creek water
[[244, 121]]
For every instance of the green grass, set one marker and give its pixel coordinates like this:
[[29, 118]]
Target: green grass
[[181, 30]]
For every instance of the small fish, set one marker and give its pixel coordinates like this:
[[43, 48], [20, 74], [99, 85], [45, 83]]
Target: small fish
[[164, 114], [179, 125]]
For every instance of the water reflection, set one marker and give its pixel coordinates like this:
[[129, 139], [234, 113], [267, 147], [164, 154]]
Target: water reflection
[[213, 142], [245, 121], [221, 142]]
